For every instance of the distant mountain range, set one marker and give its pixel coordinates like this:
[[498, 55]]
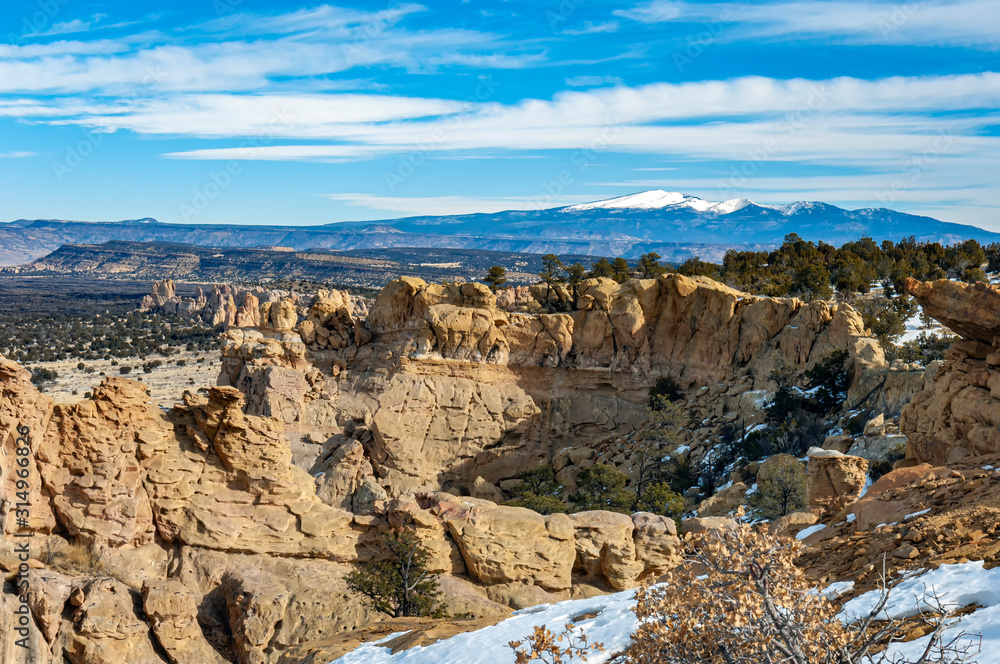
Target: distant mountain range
[[672, 224]]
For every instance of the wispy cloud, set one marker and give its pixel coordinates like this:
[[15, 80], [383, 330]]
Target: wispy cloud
[[586, 81], [591, 28], [972, 23], [16, 155]]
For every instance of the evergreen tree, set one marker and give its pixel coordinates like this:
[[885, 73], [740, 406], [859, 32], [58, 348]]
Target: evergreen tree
[[621, 272], [552, 273], [399, 585], [601, 268], [495, 278], [649, 265]]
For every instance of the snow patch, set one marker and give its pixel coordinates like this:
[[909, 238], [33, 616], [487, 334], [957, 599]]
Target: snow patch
[[613, 625], [957, 586], [806, 532]]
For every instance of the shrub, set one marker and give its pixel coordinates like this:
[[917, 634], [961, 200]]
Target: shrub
[[124, 369], [548, 648], [39, 376], [739, 598], [539, 490], [665, 390], [782, 492], [831, 381], [602, 487], [659, 498], [399, 585]]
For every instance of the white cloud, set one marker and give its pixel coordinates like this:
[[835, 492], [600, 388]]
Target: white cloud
[[585, 81], [657, 11], [972, 23], [16, 155], [591, 28], [250, 52]]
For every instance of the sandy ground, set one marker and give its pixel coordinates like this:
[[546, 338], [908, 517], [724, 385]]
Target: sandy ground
[[166, 383]]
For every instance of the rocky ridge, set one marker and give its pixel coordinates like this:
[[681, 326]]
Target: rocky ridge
[[459, 392], [958, 413], [224, 527]]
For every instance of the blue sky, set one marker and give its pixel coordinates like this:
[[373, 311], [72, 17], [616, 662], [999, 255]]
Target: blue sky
[[253, 111]]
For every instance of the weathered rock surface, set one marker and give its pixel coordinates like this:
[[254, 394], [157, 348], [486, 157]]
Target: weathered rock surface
[[957, 414], [457, 389], [834, 479]]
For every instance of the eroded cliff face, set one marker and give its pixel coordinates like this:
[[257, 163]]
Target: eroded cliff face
[[958, 413], [205, 540], [457, 391]]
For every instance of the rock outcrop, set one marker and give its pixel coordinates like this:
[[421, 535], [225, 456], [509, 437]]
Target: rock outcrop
[[457, 390], [226, 305], [957, 414], [834, 480]]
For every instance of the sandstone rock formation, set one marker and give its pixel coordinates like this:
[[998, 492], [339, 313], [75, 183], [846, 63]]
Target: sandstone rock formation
[[457, 390], [834, 479], [957, 414], [226, 305]]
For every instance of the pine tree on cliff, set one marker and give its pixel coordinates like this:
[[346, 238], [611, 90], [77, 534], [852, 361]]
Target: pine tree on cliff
[[399, 585], [495, 278], [552, 273]]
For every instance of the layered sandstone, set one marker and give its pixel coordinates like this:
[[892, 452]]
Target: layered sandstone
[[461, 392], [957, 414]]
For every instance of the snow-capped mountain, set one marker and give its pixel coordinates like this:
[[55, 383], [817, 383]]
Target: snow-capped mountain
[[674, 225], [657, 199]]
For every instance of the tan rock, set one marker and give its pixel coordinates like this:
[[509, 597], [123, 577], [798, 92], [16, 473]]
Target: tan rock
[[22, 408], [172, 613], [834, 480], [724, 502], [840, 443], [790, 524], [697, 525], [504, 544], [656, 544], [605, 547], [105, 627]]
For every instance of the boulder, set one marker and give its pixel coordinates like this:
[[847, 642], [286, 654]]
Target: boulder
[[605, 547], [834, 480], [790, 524], [697, 525], [172, 613], [724, 502], [104, 627], [503, 544], [656, 544]]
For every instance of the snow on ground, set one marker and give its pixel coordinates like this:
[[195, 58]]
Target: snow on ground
[[612, 626], [806, 532], [914, 328], [957, 586]]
